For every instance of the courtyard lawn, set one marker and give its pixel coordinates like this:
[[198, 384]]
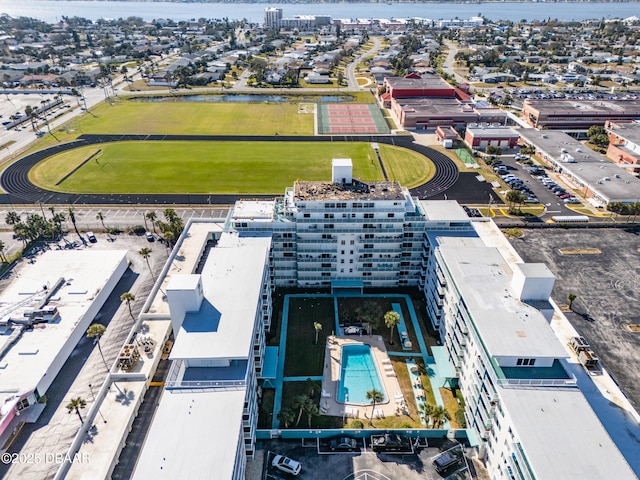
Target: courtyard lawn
[[405, 166], [303, 357], [199, 167], [195, 118], [291, 390]]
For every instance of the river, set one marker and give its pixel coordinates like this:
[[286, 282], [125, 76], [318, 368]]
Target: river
[[51, 11]]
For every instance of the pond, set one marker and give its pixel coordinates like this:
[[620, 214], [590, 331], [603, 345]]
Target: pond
[[247, 98]]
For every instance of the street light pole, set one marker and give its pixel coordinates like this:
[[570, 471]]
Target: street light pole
[[94, 399]]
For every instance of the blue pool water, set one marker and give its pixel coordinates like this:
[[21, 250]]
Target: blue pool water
[[358, 374]]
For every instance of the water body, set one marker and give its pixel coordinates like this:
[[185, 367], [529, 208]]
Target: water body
[[243, 99], [52, 11]]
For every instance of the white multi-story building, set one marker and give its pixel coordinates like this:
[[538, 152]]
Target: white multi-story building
[[272, 17], [491, 312], [219, 318]]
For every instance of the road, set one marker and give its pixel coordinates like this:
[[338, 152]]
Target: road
[[450, 60], [350, 70]]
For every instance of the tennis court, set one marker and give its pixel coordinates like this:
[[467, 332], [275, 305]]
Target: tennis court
[[350, 119]]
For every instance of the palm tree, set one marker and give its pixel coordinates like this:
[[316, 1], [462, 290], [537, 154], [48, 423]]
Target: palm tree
[[571, 297], [312, 411], [2, 256], [96, 331], [300, 402], [75, 404], [129, 298], [145, 252], [312, 387], [440, 414], [12, 218], [374, 396], [286, 416], [151, 216], [426, 411], [318, 328], [100, 217], [72, 217], [391, 320]]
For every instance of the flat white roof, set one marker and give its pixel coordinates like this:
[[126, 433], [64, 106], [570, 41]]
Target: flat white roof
[[508, 327], [194, 435], [86, 273], [534, 270], [254, 210], [232, 285], [341, 162], [443, 210], [561, 435]]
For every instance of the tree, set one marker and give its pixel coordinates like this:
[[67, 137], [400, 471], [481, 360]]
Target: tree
[[425, 410], [75, 404], [571, 297], [312, 411], [12, 218], [96, 331], [317, 326], [514, 197], [145, 252], [391, 320], [286, 416], [2, 256], [100, 217], [72, 217], [374, 396], [300, 402], [440, 414], [312, 387], [370, 314], [151, 216], [129, 298]]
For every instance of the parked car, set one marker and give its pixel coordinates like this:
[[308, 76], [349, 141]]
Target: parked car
[[150, 237], [286, 464], [343, 444], [390, 442], [92, 238], [353, 330], [571, 200], [565, 195]]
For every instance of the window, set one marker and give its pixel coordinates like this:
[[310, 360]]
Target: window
[[368, 215], [391, 215], [351, 260], [352, 242], [367, 265], [327, 236], [368, 236], [288, 245], [325, 255], [408, 235], [330, 205], [341, 205], [366, 274], [357, 205], [367, 255], [342, 260], [326, 265], [326, 274], [307, 215], [342, 242], [407, 245], [368, 245], [328, 226], [288, 254], [328, 215]]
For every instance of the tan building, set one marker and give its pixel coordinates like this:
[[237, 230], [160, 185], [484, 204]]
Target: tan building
[[571, 114]]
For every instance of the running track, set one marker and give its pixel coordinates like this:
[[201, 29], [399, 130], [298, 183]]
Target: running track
[[15, 178]]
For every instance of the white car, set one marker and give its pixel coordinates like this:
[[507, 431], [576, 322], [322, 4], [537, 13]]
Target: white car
[[286, 464]]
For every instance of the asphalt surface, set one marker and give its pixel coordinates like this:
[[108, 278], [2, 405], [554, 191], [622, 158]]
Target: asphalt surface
[[606, 286], [20, 190]]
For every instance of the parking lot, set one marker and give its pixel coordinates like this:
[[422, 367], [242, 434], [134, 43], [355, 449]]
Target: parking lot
[[534, 187], [606, 286], [320, 463]]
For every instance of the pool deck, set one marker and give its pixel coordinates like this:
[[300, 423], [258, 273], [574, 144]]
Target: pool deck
[[331, 378]]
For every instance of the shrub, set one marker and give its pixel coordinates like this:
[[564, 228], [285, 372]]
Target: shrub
[[137, 230], [357, 424]]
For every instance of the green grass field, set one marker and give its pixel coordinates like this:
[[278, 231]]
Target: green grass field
[[195, 118], [217, 167]]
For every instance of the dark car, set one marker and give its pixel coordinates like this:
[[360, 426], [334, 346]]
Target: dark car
[[390, 442], [343, 444]]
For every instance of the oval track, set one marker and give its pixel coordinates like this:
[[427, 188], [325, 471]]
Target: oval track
[[15, 178]]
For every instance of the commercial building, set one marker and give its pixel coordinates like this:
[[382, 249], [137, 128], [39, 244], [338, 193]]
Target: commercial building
[[44, 312], [599, 180], [624, 144], [573, 114], [426, 86], [480, 137]]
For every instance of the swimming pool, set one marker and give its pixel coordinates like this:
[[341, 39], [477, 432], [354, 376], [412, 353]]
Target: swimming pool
[[358, 375]]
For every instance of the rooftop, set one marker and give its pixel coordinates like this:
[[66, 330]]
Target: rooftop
[[609, 180], [440, 210], [254, 210], [492, 131], [630, 131], [584, 107], [354, 191], [189, 435], [232, 284], [563, 414], [424, 82], [507, 326], [26, 362]]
